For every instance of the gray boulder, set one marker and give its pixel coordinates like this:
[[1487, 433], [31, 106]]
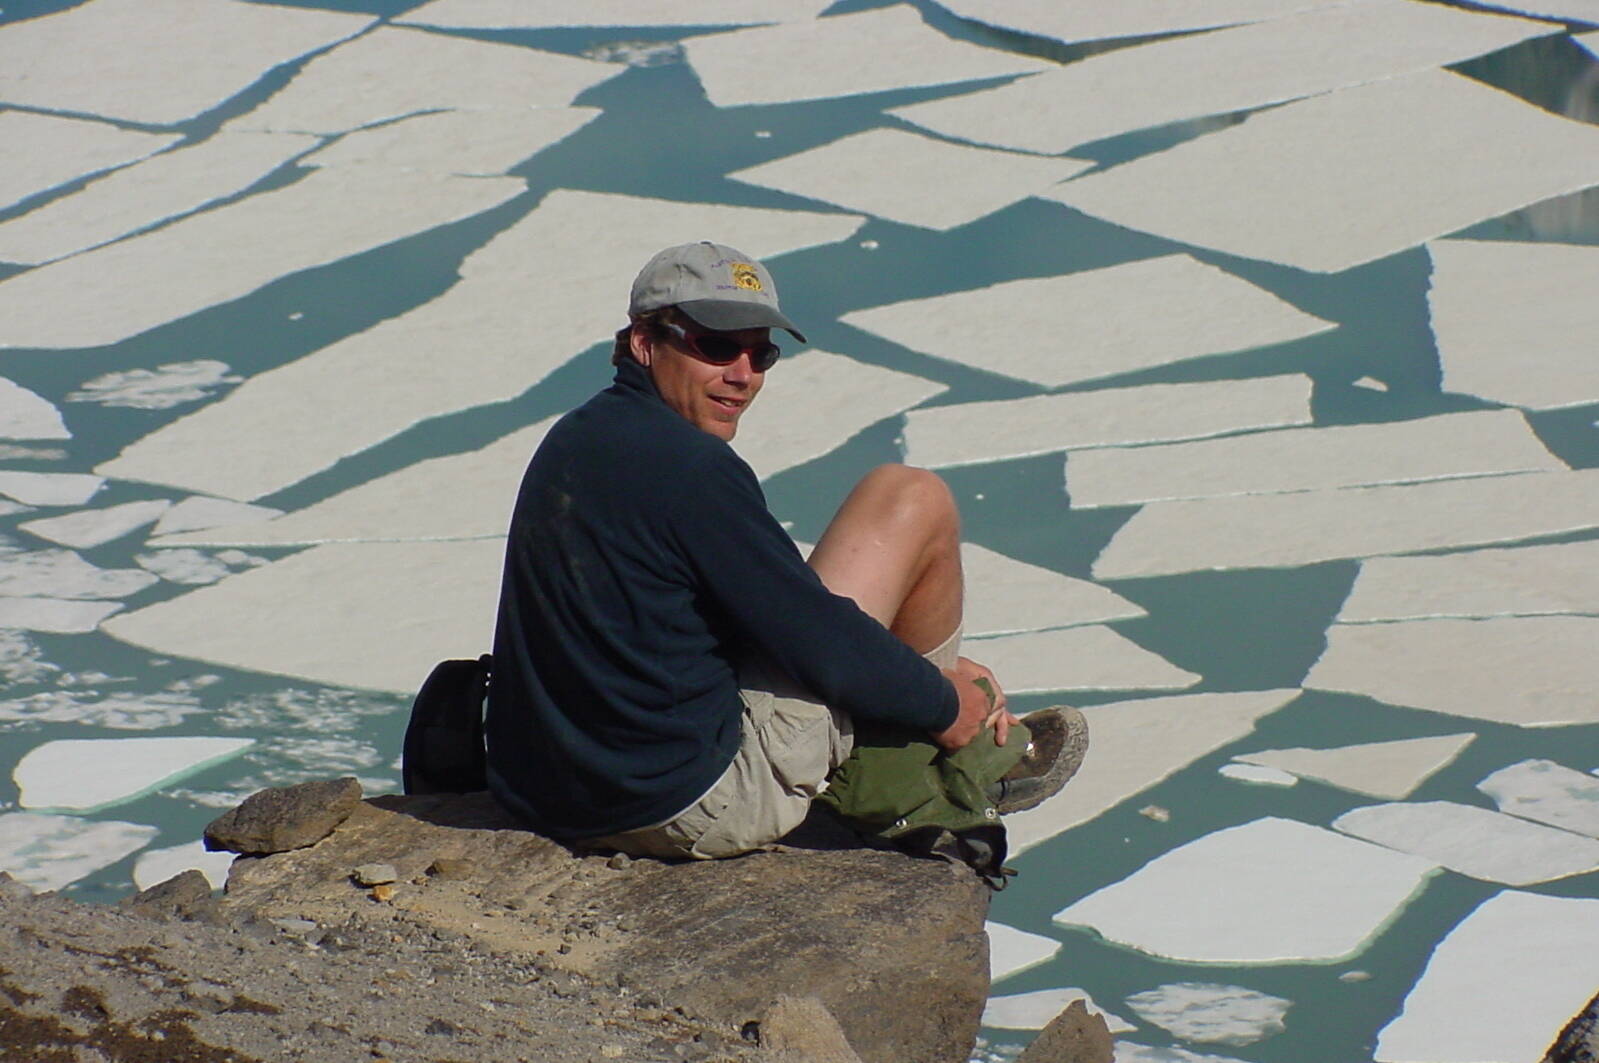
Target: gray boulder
[[1073, 1036], [284, 817]]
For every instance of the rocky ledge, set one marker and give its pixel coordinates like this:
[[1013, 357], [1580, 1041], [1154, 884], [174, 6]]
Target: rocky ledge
[[432, 928]]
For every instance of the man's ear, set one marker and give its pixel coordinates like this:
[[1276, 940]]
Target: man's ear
[[641, 344]]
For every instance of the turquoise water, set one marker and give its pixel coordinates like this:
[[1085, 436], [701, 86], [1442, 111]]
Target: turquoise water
[[659, 137]]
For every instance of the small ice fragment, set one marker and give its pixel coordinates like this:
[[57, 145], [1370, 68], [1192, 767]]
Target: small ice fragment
[[1474, 841], [1355, 976], [1254, 773], [50, 488], [1547, 792], [155, 866], [200, 512], [25, 415], [1011, 950], [870, 245], [86, 775], [48, 852], [1371, 383], [1212, 1014], [763, 134], [1157, 813], [184, 566], [58, 616], [161, 388], [1378, 769], [64, 574], [96, 527]]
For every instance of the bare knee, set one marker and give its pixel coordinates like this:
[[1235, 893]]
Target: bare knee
[[912, 497]]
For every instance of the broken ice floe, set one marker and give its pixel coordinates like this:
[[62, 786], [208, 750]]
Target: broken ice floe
[[1011, 950], [1522, 581], [1404, 160], [542, 14], [1270, 891], [1450, 446], [141, 195], [1129, 1052], [1474, 841], [1257, 775], [911, 179], [1563, 10], [90, 774], [1535, 957], [812, 404], [20, 660], [964, 433], [1377, 769], [1589, 41], [355, 84], [48, 852], [123, 711], [60, 616], [1136, 745], [156, 61], [842, 55], [39, 152], [1147, 313], [1076, 658], [1208, 1013], [95, 527], [1035, 1010], [1295, 529], [155, 866], [1301, 54], [25, 415], [199, 512], [161, 388], [122, 289], [1489, 297], [335, 614], [64, 574], [369, 386], [482, 142], [184, 566], [1474, 668], [1073, 23], [1547, 792], [1004, 595]]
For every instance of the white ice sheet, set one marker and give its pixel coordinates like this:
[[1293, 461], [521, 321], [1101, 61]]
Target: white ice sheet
[[1270, 891], [541, 14], [1302, 54], [162, 388], [89, 774], [1130, 1052], [1004, 595], [1147, 313], [1524, 581], [25, 415], [974, 432], [561, 274], [63, 574], [1334, 181], [1035, 1010], [139, 196], [198, 512], [1474, 841], [95, 527], [1076, 658], [335, 614], [1136, 744], [1536, 958], [1377, 769], [106, 295], [157, 61], [1589, 41], [155, 866], [912, 179], [812, 404], [1289, 530], [1257, 775], [1445, 447], [1561, 10], [1473, 668], [40, 151], [1011, 950], [49, 852], [59, 616], [1546, 792], [461, 496], [355, 84], [844, 55], [486, 141], [1492, 296], [1212, 1014], [1129, 18]]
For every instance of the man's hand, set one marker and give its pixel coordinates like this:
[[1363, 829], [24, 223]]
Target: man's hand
[[982, 704]]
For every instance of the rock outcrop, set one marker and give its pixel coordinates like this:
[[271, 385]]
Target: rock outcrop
[[1579, 1041]]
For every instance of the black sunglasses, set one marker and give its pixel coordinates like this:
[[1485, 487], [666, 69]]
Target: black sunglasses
[[722, 350]]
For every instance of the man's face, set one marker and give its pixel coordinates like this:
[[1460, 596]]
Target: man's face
[[710, 397]]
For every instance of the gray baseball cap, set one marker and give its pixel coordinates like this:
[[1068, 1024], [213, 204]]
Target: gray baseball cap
[[720, 288]]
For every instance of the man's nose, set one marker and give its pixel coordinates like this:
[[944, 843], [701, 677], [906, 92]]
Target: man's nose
[[739, 370]]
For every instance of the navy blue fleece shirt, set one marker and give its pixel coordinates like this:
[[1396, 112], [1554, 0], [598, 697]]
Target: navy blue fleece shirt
[[642, 565]]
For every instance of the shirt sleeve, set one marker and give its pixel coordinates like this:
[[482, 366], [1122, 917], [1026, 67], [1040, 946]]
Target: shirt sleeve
[[756, 577]]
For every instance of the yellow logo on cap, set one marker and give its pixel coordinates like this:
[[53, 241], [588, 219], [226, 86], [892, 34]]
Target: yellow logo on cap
[[744, 276]]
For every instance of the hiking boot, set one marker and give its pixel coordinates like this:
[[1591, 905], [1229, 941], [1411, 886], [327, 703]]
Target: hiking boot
[[1059, 740]]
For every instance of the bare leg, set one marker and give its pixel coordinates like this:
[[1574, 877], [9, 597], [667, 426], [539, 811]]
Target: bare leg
[[894, 547]]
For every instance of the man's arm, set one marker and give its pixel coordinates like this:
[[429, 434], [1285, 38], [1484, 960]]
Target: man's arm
[[982, 704]]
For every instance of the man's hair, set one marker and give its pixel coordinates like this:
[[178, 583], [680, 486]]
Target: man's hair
[[653, 322]]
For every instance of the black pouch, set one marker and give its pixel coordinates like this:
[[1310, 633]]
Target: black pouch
[[443, 752]]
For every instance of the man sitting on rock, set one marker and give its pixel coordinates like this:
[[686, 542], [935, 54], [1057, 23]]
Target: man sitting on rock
[[671, 678]]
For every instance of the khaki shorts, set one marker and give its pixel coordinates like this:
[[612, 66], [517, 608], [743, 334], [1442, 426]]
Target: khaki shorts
[[791, 743]]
